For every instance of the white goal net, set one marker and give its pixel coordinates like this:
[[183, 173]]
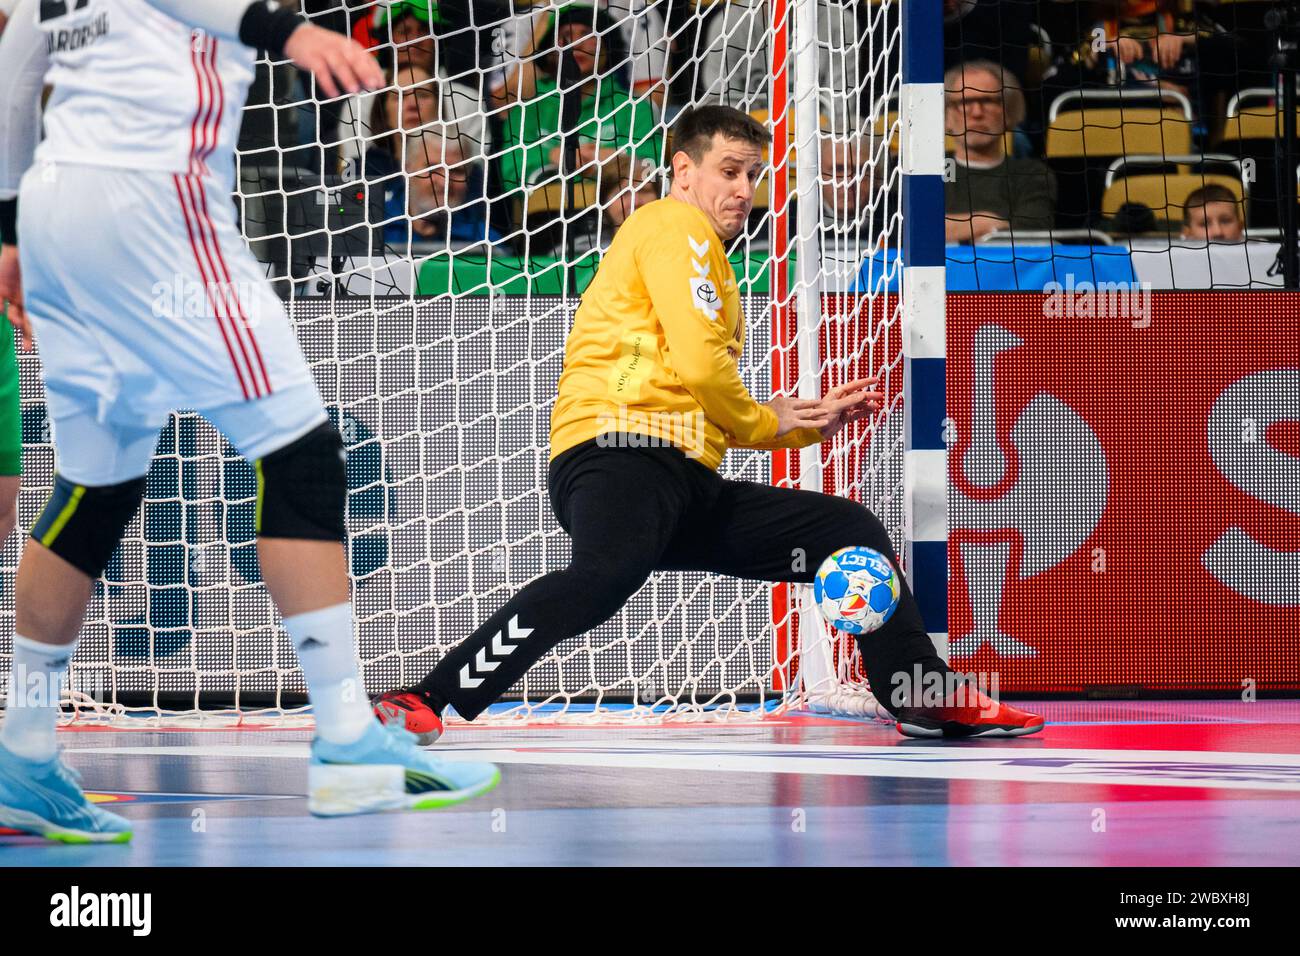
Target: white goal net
[[432, 242]]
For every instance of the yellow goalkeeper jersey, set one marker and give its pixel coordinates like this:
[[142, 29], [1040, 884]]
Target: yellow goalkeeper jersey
[[655, 345]]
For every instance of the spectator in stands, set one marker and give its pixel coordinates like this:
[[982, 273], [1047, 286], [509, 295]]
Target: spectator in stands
[[639, 49], [1168, 44], [1212, 214], [419, 99], [988, 189], [624, 188], [609, 121], [394, 112], [1132, 219], [436, 97], [415, 102], [1148, 38], [399, 117], [405, 31], [734, 57], [440, 203]]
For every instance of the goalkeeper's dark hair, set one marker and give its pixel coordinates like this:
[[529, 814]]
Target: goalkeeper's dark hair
[[695, 129]]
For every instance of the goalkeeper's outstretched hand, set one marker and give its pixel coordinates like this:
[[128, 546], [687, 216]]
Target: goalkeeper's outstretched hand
[[795, 413], [848, 402], [340, 64]]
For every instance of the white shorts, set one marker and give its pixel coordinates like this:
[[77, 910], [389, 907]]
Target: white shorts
[[143, 300]]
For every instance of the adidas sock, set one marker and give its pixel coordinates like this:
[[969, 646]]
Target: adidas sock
[[32, 705], [328, 659]]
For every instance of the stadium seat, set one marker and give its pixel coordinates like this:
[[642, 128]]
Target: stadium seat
[[1249, 134], [1201, 164], [1165, 195], [1088, 129], [553, 198], [1116, 131], [1253, 114]]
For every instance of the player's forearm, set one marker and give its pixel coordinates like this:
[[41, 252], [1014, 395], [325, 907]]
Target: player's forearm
[[799, 438], [22, 63], [716, 385], [262, 25]]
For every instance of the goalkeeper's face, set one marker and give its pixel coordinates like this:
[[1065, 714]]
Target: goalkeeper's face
[[722, 184]]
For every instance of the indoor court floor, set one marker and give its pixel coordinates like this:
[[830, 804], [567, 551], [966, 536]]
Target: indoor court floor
[[1168, 783]]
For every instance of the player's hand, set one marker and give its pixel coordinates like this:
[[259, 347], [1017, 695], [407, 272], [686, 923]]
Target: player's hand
[[11, 294], [848, 402], [793, 413], [337, 62]]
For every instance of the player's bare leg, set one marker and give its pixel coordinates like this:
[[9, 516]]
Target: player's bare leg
[[38, 792], [303, 575], [357, 765], [50, 596]]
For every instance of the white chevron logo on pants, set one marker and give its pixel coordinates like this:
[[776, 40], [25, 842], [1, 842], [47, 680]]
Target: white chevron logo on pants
[[502, 647]]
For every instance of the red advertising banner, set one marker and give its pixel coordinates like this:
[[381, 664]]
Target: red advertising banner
[[1124, 490]]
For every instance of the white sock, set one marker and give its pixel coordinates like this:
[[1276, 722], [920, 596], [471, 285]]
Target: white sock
[[32, 704], [328, 658]]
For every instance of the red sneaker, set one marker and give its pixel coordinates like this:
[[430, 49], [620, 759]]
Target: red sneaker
[[968, 713], [408, 709]]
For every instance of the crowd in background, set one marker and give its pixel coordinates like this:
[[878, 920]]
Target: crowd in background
[[1008, 61], [468, 144]]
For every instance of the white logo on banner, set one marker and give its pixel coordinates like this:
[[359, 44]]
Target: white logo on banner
[[1053, 508]]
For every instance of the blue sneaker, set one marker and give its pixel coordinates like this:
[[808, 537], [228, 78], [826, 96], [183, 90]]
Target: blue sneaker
[[385, 770], [45, 798]]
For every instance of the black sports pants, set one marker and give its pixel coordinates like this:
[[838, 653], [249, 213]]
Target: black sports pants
[[631, 511]]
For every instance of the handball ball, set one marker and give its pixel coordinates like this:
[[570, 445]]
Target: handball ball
[[856, 590]]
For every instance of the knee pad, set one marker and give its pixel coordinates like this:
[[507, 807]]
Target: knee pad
[[302, 488], [83, 524]]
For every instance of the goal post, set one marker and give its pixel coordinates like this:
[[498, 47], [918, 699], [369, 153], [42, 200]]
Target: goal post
[[926, 432], [431, 242], [829, 679]]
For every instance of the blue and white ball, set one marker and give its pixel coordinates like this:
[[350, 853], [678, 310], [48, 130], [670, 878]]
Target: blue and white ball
[[856, 590]]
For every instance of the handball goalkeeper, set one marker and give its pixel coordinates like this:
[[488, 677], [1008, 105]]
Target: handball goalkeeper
[[649, 401]]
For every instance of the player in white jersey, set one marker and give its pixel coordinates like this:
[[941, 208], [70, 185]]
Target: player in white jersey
[[127, 202]]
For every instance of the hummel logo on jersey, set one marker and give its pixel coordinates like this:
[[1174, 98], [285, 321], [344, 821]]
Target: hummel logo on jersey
[[310, 643], [704, 292], [502, 647]]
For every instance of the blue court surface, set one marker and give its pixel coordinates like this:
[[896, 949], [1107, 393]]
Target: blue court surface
[[1169, 783]]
